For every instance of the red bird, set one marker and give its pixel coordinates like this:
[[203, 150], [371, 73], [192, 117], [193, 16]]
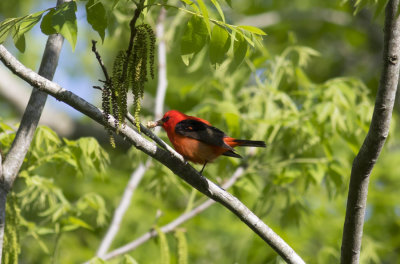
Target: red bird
[[198, 141]]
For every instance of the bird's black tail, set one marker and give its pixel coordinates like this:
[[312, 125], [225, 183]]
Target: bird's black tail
[[250, 143]]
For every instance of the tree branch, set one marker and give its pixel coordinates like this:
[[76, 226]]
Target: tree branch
[[121, 209], [172, 160], [375, 139], [173, 224], [33, 111], [98, 57]]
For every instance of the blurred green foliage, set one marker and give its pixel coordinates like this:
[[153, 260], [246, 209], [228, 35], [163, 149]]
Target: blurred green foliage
[[308, 92]]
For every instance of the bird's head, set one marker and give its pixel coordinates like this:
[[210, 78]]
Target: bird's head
[[170, 119]]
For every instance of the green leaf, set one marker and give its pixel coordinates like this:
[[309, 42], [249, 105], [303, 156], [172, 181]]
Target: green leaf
[[128, 260], [29, 22], [115, 3], [97, 260], [96, 17], [254, 30], [239, 51], [204, 12], [46, 25], [192, 4], [19, 26], [187, 58], [219, 9], [6, 27], [229, 2], [78, 222], [380, 6], [195, 36], [19, 42], [64, 22], [219, 44], [241, 33]]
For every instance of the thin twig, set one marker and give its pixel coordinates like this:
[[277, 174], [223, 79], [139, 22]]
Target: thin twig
[[98, 57], [132, 25], [97, 87], [375, 139], [119, 213]]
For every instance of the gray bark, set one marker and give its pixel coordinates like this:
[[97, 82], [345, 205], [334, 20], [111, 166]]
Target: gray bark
[[375, 139]]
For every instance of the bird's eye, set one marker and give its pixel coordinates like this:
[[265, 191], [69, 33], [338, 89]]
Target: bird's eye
[[165, 119]]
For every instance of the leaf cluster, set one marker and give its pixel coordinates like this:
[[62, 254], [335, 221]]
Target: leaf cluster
[[60, 19], [40, 207], [222, 37]]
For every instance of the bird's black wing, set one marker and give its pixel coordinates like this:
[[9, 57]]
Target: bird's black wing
[[202, 132]]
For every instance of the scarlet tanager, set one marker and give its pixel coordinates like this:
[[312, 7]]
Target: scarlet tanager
[[197, 140]]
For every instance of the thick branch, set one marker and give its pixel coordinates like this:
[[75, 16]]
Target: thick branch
[[376, 137], [33, 111], [172, 160]]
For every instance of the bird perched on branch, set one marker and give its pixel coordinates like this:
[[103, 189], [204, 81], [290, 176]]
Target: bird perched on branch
[[197, 140]]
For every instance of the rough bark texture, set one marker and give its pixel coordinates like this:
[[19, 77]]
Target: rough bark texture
[[376, 137], [172, 160]]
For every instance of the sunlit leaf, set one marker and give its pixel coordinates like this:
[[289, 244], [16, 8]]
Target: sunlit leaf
[[219, 44], [219, 9], [204, 12], [254, 30], [194, 37], [64, 22], [96, 17]]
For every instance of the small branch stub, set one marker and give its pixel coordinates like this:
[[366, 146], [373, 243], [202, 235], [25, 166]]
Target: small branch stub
[[151, 124]]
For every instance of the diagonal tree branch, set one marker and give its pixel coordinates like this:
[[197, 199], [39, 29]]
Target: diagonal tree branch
[[172, 160], [120, 211], [376, 137]]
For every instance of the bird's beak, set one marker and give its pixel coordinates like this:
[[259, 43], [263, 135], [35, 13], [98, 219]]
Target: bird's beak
[[160, 122]]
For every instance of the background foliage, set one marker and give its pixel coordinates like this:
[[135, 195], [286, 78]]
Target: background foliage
[[307, 91]]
